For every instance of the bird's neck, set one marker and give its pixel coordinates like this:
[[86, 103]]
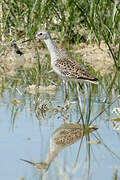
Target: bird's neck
[[53, 152], [53, 49]]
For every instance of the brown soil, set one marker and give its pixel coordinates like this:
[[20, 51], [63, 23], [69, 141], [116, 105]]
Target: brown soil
[[98, 58]]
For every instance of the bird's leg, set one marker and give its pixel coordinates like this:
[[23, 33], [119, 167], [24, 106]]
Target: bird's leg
[[66, 100], [66, 90], [80, 104]]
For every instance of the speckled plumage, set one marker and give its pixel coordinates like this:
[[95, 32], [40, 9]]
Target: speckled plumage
[[72, 70], [63, 65], [69, 133]]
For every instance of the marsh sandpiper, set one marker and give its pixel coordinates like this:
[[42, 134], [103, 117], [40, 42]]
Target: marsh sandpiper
[[64, 66]]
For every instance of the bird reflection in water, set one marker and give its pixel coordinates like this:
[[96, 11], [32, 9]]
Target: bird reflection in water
[[64, 136]]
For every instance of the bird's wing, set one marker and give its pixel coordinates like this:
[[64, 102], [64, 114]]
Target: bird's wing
[[73, 70]]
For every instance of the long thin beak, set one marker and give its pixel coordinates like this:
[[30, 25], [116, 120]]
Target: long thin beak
[[28, 162], [28, 40]]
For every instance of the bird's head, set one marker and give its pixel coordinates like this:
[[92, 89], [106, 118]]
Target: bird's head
[[42, 35]]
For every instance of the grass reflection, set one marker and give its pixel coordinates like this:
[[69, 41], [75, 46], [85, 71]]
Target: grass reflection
[[45, 105]]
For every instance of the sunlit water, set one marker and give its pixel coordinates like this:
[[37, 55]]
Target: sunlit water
[[22, 135]]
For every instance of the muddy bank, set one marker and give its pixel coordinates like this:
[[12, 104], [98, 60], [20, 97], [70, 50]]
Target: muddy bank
[[26, 56], [98, 58]]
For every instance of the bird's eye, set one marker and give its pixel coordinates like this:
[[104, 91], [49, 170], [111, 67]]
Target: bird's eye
[[40, 34]]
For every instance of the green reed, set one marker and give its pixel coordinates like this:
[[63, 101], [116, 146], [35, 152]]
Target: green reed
[[99, 19]]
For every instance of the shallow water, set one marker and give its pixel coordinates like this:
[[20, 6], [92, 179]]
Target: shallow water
[[27, 126]]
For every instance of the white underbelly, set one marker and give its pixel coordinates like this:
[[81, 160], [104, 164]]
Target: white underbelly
[[57, 71]]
